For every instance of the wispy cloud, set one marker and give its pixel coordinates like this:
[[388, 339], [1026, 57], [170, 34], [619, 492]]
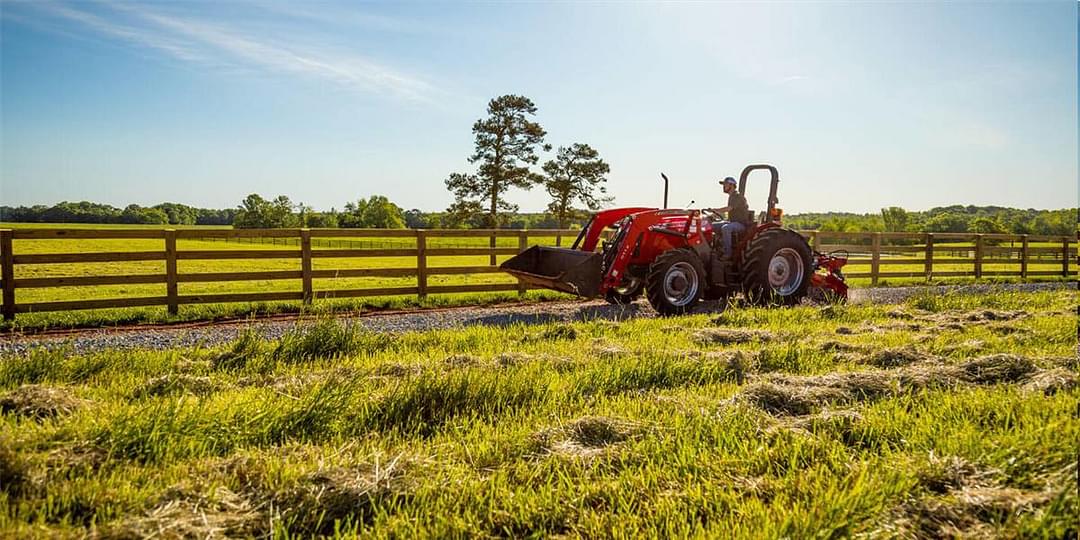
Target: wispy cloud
[[193, 40], [124, 32]]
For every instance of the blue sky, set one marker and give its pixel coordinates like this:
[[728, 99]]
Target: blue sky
[[860, 105]]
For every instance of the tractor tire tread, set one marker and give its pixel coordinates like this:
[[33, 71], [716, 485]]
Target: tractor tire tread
[[654, 289]]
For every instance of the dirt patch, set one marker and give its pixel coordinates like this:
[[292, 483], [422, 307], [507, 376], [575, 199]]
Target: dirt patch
[[175, 383], [726, 336], [39, 402], [223, 514], [1051, 381], [588, 436]]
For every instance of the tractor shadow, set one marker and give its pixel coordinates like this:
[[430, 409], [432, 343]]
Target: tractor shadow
[[604, 312]]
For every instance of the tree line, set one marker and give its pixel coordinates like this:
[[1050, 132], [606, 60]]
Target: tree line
[[379, 212], [944, 219]]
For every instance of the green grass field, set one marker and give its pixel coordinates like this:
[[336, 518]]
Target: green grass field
[[947, 416], [209, 311]]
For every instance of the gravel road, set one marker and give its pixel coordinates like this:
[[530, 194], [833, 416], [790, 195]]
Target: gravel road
[[165, 337]]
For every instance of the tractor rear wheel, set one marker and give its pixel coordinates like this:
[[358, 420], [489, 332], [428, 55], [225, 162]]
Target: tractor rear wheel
[[675, 282], [777, 267]]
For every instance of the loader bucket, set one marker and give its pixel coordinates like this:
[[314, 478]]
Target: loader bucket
[[567, 270]]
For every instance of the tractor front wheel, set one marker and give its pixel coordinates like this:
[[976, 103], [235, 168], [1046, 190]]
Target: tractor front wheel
[[622, 296], [675, 282], [776, 268]]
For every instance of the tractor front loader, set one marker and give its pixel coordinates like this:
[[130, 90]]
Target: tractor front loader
[[675, 259]]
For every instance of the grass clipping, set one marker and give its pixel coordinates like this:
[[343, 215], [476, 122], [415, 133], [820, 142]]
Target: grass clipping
[[587, 437], [39, 402], [799, 396]]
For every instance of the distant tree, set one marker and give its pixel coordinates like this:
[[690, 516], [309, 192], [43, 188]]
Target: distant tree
[[506, 144], [575, 175], [179, 214], [376, 212], [947, 222], [256, 212], [986, 225], [380, 213], [895, 218], [353, 215], [323, 220], [415, 219], [135, 214]]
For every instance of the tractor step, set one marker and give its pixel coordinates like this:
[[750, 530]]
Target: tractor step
[[560, 269]]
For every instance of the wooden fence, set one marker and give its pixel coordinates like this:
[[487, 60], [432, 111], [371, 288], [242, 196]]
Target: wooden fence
[[982, 255]]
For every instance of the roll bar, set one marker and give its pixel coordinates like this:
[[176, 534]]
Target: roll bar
[[772, 184]]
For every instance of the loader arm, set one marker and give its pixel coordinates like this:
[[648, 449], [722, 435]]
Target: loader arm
[[646, 234]]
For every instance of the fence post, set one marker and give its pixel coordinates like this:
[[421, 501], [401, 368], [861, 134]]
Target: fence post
[[875, 258], [978, 255], [815, 241], [7, 262], [558, 239], [1065, 256], [928, 266], [305, 266], [492, 244], [1023, 256], [171, 290], [523, 244], [421, 263]]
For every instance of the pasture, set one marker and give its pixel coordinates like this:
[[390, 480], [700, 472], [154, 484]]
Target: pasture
[[944, 416]]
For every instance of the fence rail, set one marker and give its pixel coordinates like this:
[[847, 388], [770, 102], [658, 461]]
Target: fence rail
[[933, 255]]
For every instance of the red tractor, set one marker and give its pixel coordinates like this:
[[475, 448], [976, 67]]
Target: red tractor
[[674, 257]]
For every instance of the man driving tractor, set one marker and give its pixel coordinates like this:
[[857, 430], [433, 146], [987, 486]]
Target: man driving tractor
[[738, 214]]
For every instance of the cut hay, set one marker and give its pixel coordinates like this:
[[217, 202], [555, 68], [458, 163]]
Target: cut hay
[[588, 436], [175, 383], [222, 515], [322, 500], [726, 336], [970, 512], [461, 361], [799, 396], [395, 369], [997, 368], [510, 359], [39, 402], [833, 345], [559, 332], [944, 474], [892, 358], [1051, 381]]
